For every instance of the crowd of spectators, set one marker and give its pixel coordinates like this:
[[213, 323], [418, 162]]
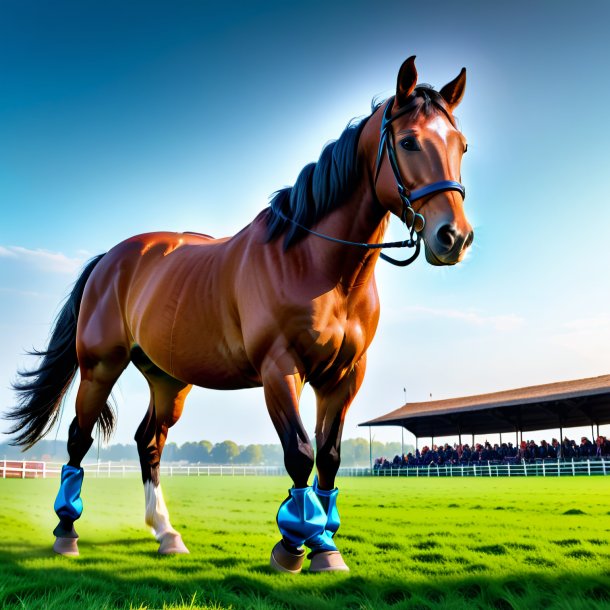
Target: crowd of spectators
[[528, 451]]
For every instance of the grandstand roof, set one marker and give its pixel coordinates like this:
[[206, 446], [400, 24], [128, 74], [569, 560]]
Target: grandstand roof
[[581, 402]]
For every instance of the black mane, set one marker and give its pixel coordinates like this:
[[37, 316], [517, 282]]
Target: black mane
[[321, 187]]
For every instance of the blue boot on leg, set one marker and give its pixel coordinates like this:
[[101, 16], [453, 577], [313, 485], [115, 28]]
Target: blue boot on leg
[[68, 504], [324, 554], [301, 520], [328, 499], [69, 507]]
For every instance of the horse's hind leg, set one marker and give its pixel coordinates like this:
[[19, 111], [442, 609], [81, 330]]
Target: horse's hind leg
[[167, 396], [97, 378]]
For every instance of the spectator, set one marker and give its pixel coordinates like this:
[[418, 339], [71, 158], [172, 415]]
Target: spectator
[[602, 447], [556, 447], [527, 452], [543, 450], [586, 448]]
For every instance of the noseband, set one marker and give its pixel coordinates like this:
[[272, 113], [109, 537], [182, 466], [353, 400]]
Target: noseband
[[409, 216]]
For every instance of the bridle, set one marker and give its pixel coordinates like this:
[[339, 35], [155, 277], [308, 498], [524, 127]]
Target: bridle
[[414, 221], [409, 216]]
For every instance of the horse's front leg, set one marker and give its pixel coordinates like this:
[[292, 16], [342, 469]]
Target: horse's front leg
[[300, 517], [334, 399]]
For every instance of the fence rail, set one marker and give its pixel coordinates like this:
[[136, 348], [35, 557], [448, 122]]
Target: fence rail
[[44, 470], [11, 469], [546, 468]]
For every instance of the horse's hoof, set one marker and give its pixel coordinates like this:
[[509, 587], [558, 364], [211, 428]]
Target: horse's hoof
[[328, 561], [171, 544], [66, 546], [283, 560]]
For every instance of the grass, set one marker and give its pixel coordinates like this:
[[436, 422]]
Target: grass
[[410, 543]]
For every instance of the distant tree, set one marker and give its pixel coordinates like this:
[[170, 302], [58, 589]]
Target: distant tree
[[361, 452], [206, 449], [50, 450], [224, 453], [355, 452], [252, 454], [379, 449], [170, 452], [392, 449], [195, 452], [186, 452], [273, 455], [116, 452], [389, 450]]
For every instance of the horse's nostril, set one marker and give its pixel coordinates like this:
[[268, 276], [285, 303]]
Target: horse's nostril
[[446, 236], [469, 240]]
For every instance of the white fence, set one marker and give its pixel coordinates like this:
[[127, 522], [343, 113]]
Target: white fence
[[42, 470], [546, 468]]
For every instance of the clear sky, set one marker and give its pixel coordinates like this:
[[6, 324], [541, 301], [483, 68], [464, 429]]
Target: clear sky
[[123, 117]]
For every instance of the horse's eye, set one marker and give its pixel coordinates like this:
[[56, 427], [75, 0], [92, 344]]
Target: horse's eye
[[410, 143]]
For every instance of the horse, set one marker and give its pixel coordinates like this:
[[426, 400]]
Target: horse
[[290, 299]]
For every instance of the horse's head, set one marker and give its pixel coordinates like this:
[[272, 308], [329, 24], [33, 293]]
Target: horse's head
[[418, 164]]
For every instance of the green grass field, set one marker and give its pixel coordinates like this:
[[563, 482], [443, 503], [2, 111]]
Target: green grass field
[[410, 543]]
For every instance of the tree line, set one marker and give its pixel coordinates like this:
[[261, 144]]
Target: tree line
[[354, 452]]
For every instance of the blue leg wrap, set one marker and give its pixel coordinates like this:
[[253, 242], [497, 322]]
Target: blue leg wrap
[[328, 500], [302, 520], [68, 504]]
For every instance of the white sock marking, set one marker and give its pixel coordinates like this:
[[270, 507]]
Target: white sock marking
[[157, 515]]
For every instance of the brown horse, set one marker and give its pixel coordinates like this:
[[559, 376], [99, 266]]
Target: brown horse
[[290, 299]]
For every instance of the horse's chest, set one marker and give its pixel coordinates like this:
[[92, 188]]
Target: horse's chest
[[341, 330], [339, 342]]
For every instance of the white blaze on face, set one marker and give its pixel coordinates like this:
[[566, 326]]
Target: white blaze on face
[[441, 127], [157, 515]]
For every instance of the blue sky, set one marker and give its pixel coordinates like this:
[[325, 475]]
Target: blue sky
[[118, 118]]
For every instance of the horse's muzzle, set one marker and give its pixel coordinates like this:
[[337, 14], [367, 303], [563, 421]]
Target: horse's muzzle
[[448, 245]]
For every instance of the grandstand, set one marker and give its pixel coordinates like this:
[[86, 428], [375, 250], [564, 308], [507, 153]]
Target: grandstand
[[567, 404]]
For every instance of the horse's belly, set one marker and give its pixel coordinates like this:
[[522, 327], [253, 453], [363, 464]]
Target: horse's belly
[[211, 356], [209, 368], [219, 378]]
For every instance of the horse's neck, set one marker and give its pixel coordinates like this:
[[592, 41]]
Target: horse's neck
[[361, 220]]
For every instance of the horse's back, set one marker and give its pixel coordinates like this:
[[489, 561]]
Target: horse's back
[[136, 290]]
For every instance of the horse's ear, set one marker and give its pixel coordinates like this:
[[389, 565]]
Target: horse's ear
[[453, 92], [407, 79]]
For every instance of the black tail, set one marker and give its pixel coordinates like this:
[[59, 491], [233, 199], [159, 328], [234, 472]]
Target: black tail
[[42, 390]]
